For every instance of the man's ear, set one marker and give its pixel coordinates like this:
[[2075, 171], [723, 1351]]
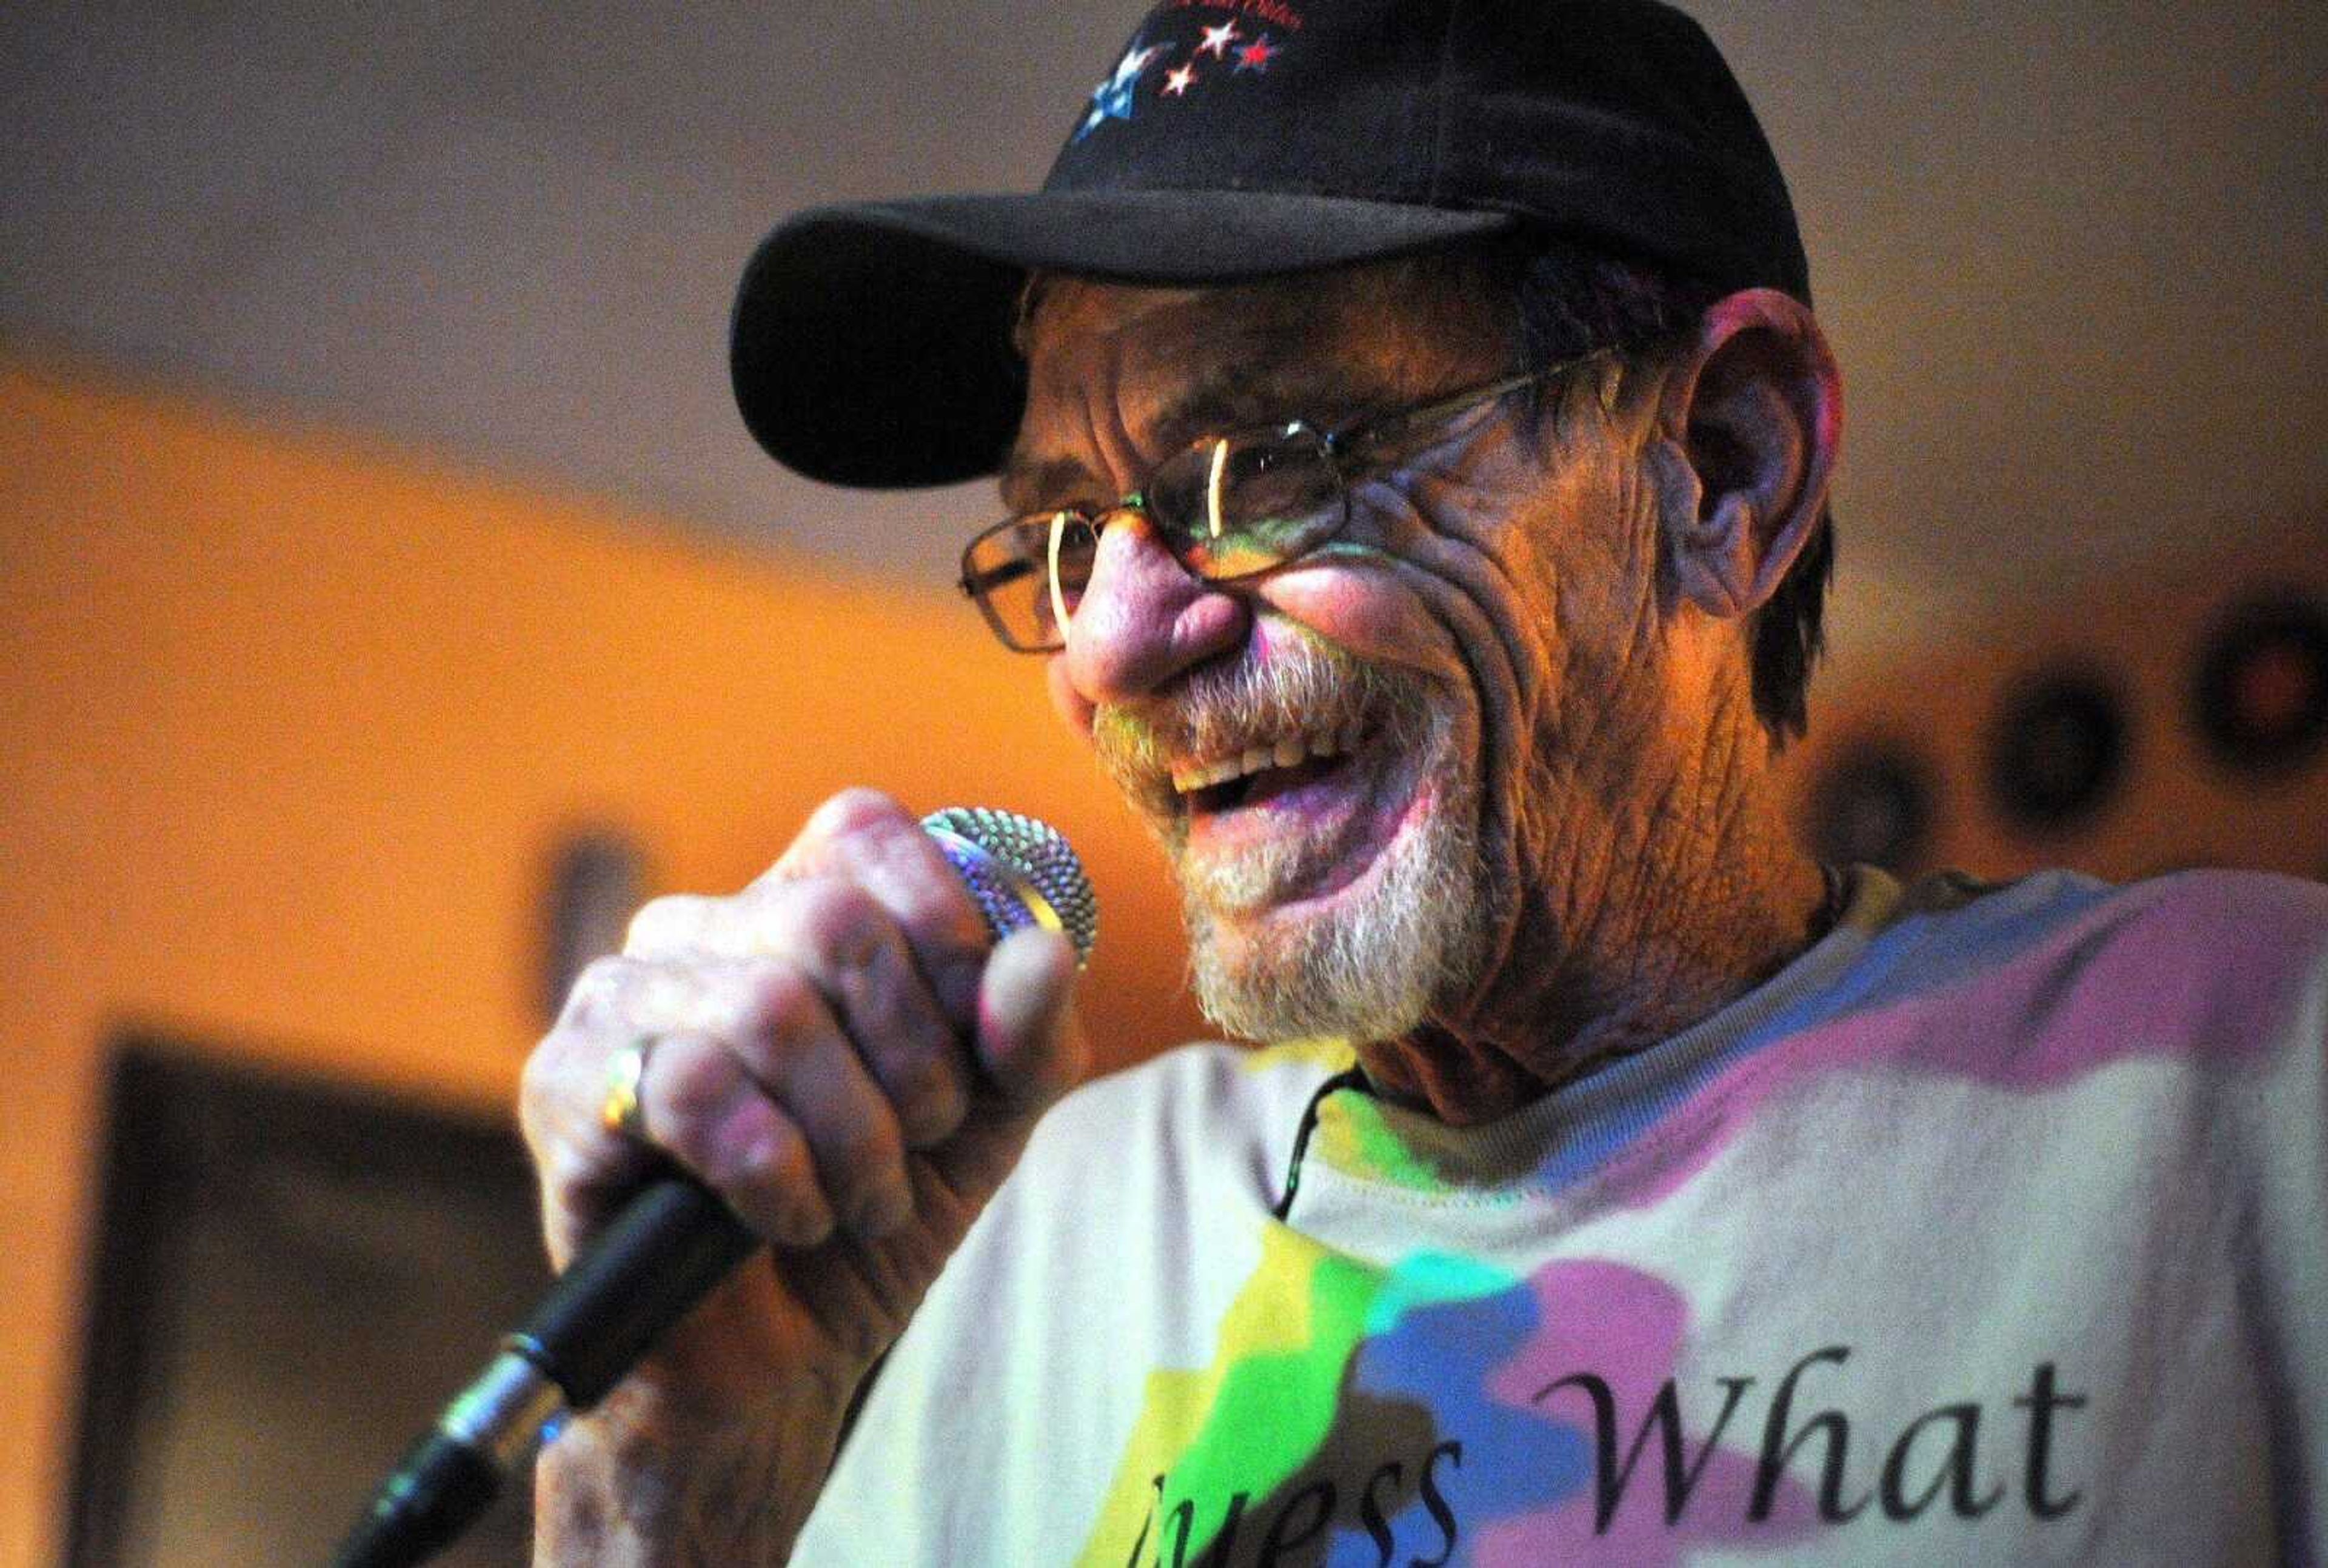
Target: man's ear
[[1751, 417]]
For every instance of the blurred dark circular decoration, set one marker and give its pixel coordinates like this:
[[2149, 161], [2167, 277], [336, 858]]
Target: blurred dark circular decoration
[[1873, 804], [2057, 751], [2260, 696]]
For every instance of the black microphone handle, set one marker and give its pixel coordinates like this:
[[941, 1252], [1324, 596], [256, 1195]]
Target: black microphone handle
[[666, 1249]]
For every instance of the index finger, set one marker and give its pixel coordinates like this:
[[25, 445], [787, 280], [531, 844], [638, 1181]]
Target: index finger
[[865, 837]]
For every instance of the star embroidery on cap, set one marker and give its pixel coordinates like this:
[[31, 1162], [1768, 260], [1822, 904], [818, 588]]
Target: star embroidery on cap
[[1255, 56], [1217, 40], [1180, 79], [1112, 99]]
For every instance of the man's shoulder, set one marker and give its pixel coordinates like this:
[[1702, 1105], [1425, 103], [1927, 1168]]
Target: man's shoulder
[[2214, 960], [2205, 911], [2255, 902]]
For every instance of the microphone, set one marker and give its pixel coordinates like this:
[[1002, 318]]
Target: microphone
[[662, 1253]]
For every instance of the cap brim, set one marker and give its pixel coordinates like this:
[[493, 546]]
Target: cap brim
[[872, 343]]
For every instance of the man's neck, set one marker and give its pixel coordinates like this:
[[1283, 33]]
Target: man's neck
[[1622, 943]]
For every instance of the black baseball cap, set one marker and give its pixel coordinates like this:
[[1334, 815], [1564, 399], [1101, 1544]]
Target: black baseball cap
[[1236, 139]]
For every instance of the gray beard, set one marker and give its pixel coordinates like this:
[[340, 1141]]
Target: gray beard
[[1368, 967]]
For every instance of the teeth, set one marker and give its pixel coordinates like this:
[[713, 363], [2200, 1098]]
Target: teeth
[[1285, 752]]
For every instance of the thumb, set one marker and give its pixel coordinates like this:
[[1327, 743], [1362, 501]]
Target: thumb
[[1031, 1041]]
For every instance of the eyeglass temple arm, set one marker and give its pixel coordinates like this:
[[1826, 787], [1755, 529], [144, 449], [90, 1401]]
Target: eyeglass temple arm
[[1372, 434], [973, 584]]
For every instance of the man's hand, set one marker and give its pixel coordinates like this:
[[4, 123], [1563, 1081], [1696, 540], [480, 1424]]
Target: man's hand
[[838, 1053]]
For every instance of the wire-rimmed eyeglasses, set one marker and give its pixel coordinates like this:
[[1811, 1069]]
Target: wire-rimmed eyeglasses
[[1226, 506]]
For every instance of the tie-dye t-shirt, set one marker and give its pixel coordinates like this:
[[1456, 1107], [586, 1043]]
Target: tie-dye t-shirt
[[1989, 1231]]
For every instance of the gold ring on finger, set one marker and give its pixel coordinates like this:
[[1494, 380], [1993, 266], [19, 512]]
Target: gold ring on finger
[[620, 1110]]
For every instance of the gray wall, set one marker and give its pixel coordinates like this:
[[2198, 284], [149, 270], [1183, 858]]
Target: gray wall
[[2072, 256]]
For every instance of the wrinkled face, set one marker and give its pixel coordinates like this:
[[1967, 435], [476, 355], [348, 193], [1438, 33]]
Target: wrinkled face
[[1363, 765]]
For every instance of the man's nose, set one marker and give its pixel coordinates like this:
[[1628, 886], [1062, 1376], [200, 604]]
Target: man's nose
[[1144, 619]]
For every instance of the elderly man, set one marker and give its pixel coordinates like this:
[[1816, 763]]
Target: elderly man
[[1415, 440]]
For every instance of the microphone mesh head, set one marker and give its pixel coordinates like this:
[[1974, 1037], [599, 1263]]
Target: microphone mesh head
[[1002, 855]]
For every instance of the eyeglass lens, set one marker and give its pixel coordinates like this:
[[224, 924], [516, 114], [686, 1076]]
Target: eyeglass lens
[[1227, 507], [1232, 507]]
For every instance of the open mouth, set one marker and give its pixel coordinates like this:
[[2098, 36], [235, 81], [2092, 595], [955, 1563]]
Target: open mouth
[[1255, 789], [1281, 829], [1261, 773]]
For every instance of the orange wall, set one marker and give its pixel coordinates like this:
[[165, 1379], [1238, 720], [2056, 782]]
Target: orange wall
[[288, 726]]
